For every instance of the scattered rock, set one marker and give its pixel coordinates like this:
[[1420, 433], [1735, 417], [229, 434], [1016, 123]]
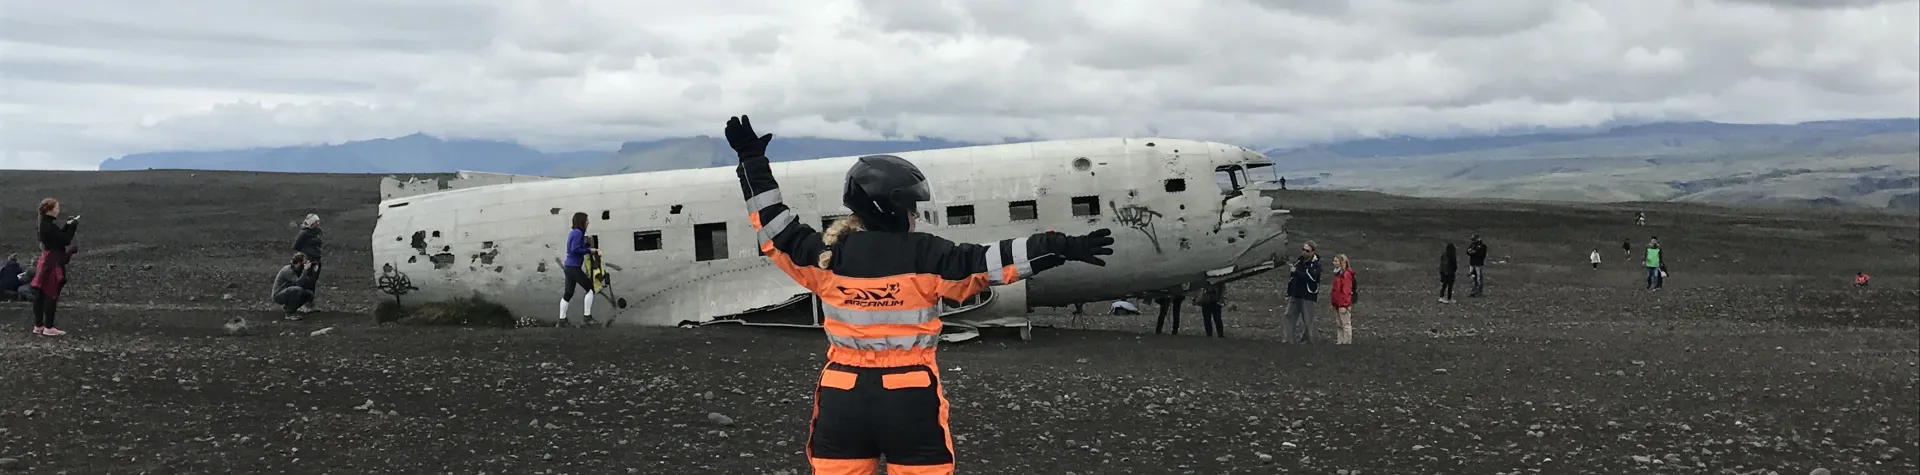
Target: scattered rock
[[237, 326], [719, 418], [10, 463], [1439, 371], [1819, 471], [322, 331]]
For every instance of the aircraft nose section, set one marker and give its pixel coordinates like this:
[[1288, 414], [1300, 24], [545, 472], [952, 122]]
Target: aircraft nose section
[[1264, 244]]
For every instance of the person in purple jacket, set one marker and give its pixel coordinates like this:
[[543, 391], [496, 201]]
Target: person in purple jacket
[[577, 251]]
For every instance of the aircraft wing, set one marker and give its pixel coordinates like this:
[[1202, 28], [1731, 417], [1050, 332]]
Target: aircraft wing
[[701, 292]]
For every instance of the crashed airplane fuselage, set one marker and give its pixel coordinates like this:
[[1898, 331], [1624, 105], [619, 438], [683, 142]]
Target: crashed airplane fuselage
[[678, 247]]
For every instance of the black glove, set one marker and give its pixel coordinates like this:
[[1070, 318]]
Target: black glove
[[1074, 248], [740, 136], [1087, 248]]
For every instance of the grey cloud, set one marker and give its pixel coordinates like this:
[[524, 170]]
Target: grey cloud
[[84, 79], [919, 16], [760, 41], [244, 25], [97, 73], [1818, 4], [1330, 8], [1487, 18]]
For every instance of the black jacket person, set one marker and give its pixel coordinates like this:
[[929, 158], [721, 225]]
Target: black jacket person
[[310, 244], [880, 284]]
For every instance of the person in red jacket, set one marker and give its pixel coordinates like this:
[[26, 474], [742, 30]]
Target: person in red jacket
[[1343, 294]]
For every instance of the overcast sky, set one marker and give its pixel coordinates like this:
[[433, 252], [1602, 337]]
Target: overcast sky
[[83, 80]]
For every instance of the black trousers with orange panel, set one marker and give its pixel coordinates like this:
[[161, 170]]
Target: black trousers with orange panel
[[862, 414]]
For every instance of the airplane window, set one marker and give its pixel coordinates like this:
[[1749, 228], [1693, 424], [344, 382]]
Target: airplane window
[[646, 240], [709, 241], [959, 215], [1086, 206], [1231, 178], [1176, 185], [1025, 210]]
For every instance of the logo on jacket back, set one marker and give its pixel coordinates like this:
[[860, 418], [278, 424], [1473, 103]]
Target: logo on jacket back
[[883, 296]]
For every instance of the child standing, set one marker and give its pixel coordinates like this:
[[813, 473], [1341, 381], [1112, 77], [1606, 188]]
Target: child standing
[[1594, 258], [1344, 292]]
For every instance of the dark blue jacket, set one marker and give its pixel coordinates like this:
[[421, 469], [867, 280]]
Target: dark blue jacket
[[10, 277], [1305, 282], [576, 248]]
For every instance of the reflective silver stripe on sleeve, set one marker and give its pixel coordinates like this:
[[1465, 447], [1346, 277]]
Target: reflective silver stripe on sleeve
[[993, 263], [778, 224], [1023, 266], [763, 200], [863, 317]]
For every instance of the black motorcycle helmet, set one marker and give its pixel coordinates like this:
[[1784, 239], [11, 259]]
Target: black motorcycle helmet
[[884, 191]]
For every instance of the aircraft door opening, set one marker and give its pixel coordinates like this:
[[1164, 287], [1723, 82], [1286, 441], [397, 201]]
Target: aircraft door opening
[[709, 241]]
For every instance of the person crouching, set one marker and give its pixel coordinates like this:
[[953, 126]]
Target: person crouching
[[289, 286]]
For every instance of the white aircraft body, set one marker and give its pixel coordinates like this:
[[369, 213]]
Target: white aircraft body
[[679, 250]]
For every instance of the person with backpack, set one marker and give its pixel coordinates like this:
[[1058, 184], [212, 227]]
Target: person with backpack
[[309, 243], [1476, 263], [1654, 266], [1449, 267], [880, 282], [574, 275], [1303, 295], [1345, 292]]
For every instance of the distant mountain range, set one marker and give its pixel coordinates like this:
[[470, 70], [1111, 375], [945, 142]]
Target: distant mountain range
[[1868, 162], [1871, 163]]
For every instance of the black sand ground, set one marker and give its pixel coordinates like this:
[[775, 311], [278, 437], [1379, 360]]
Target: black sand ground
[[1758, 356]]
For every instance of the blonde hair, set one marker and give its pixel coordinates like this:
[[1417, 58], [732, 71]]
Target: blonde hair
[[1340, 260], [840, 228]]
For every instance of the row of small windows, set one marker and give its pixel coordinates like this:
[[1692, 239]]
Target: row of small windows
[[710, 240]]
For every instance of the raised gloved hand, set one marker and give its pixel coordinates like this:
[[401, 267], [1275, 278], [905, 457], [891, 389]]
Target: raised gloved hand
[[1087, 248], [745, 143], [1061, 247]]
